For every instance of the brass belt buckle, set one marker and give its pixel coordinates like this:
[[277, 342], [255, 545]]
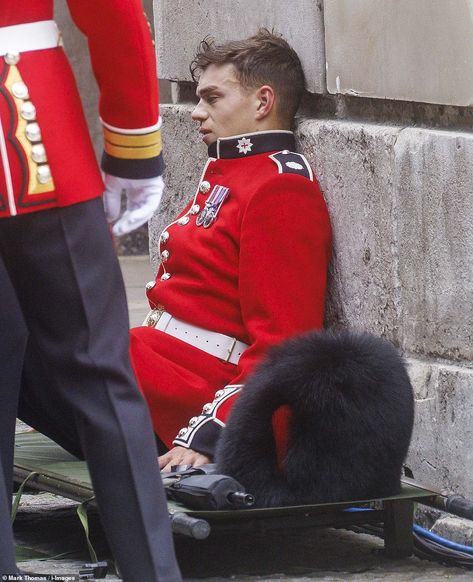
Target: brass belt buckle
[[154, 316]]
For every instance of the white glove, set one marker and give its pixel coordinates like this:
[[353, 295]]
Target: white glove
[[143, 199]]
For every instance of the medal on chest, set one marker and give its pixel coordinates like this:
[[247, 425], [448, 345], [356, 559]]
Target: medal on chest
[[209, 213]]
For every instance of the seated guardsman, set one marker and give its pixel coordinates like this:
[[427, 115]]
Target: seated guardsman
[[244, 266]]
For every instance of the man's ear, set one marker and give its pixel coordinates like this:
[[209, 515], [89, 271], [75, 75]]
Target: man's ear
[[265, 96]]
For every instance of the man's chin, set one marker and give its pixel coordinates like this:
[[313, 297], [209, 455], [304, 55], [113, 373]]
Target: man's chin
[[209, 139]]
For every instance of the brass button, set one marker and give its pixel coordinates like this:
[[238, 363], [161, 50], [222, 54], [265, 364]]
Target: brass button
[[150, 285], [43, 174], [183, 220], [164, 237], [165, 276], [219, 394], [182, 432], [38, 153], [20, 90], [12, 58], [204, 187], [28, 111], [33, 132], [207, 407], [193, 421], [195, 209], [165, 256]]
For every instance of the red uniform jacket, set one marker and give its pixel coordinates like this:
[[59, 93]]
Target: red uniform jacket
[[258, 274], [47, 158]]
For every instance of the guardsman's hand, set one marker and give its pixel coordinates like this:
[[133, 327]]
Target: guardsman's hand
[[181, 456], [143, 199]]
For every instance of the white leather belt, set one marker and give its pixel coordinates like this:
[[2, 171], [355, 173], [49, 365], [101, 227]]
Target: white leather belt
[[32, 36], [226, 348]]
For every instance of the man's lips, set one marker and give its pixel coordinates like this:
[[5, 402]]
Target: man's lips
[[204, 133]]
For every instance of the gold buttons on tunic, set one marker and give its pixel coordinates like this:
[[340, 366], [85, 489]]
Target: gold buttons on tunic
[[195, 209], [165, 256], [219, 394], [207, 407], [183, 220], [38, 153], [182, 432], [164, 237], [33, 132], [43, 174], [150, 285], [165, 276], [20, 90], [28, 111], [12, 58], [193, 421], [204, 187]]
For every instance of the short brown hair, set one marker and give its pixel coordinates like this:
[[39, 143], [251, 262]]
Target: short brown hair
[[263, 59]]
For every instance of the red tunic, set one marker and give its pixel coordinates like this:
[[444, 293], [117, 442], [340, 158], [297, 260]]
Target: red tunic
[[124, 64], [258, 274]]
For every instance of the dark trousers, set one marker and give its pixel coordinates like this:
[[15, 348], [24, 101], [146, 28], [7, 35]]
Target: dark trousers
[[67, 281]]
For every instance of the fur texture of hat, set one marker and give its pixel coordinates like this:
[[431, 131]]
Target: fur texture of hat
[[352, 411]]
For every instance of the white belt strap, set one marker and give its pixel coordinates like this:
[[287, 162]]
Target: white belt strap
[[216, 344], [32, 36]]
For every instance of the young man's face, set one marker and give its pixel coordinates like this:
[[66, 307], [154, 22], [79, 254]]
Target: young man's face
[[225, 108]]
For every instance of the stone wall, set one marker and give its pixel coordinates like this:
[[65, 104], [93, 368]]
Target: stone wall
[[387, 128]]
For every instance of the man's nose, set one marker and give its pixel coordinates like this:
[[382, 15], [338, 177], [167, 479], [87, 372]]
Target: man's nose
[[199, 113]]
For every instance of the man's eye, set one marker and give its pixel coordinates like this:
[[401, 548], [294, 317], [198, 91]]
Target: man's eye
[[211, 98]]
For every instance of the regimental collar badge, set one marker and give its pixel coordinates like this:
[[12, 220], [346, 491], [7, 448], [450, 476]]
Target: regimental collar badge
[[209, 213], [252, 144], [244, 145]]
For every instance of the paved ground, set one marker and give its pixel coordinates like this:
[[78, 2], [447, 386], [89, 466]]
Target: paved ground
[[49, 523]]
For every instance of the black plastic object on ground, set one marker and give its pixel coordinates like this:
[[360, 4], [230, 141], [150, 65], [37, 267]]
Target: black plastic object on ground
[[210, 492]]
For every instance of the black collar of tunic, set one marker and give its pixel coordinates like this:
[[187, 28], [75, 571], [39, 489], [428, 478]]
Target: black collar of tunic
[[237, 146]]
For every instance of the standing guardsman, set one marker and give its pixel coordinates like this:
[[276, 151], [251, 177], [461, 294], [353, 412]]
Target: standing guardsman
[[61, 281]]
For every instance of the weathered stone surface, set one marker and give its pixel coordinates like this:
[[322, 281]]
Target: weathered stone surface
[[441, 451], [354, 165], [456, 529], [181, 25], [399, 49], [433, 183]]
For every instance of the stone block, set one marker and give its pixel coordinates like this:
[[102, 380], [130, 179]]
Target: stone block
[[354, 166], [455, 529], [441, 452], [181, 25], [400, 49], [433, 182]]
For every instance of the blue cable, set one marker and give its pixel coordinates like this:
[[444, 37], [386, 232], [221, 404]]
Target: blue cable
[[426, 534], [442, 541]]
